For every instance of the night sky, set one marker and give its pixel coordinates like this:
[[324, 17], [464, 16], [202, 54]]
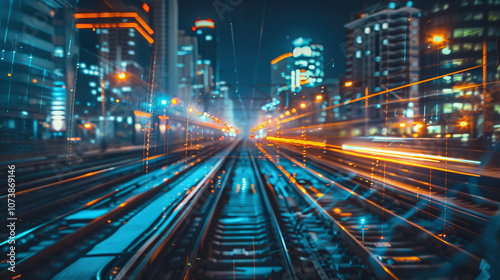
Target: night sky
[[285, 20]]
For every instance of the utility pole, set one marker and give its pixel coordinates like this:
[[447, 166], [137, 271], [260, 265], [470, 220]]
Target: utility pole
[[485, 56], [103, 107]]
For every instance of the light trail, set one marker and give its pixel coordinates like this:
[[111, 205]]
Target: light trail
[[425, 156], [379, 93], [389, 153]]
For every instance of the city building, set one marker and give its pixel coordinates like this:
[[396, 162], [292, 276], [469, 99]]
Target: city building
[[456, 36], [307, 68], [382, 53], [35, 72], [165, 23], [281, 69], [296, 76], [206, 33], [114, 71]]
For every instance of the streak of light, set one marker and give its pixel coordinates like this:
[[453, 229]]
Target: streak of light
[[281, 57], [142, 114], [318, 193], [379, 93], [388, 152], [117, 15], [116, 25]]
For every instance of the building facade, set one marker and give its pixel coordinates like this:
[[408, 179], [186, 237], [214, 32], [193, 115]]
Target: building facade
[[458, 36], [382, 53]]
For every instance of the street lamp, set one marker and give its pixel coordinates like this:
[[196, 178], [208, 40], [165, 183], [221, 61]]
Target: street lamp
[[348, 84], [122, 76], [363, 230], [437, 39], [319, 97], [303, 105]]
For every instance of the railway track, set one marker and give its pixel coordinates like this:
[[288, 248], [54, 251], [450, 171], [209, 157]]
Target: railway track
[[394, 245], [69, 235], [231, 233], [466, 222], [44, 202]]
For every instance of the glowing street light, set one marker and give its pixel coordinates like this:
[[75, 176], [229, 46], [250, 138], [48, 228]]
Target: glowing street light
[[293, 110], [363, 230], [174, 101], [287, 113], [122, 76], [402, 124], [319, 97], [87, 125], [303, 105], [437, 39], [463, 123], [190, 110], [348, 83]]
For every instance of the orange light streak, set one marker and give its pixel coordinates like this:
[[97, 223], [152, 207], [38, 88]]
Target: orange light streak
[[116, 25], [116, 15], [379, 93], [281, 57]]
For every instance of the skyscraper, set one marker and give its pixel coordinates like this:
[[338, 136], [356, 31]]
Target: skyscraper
[[206, 33], [165, 23], [33, 92], [307, 64], [382, 53], [116, 57]]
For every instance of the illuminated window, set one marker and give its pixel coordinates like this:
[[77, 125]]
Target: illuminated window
[[385, 73], [467, 47], [385, 25], [376, 27], [367, 30], [367, 52], [131, 43], [385, 42], [58, 52], [478, 47], [377, 58], [493, 16], [456, 48], [359, 39], [358, 54], [473, 16], [208, 37], [131, 52], [493, 32], [447, 108], [468, 32]]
